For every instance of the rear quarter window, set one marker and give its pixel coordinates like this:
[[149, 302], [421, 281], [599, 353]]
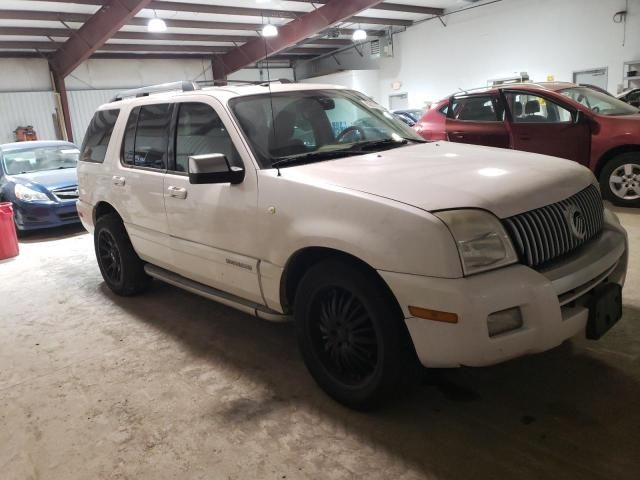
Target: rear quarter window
[[96, 140]]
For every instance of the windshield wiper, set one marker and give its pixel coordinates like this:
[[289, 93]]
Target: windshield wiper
[[372, 145], [310, 157], [358, 148]]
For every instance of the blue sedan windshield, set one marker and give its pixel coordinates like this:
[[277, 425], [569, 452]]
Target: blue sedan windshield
[[40, 158]]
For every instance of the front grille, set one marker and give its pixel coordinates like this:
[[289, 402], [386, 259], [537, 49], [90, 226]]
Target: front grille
[[67, 193], [549, 232]]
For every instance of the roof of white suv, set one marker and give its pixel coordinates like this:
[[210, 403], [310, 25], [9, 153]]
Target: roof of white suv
[[223, 93]]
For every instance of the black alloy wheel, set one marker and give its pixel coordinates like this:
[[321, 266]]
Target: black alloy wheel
[[109, 257], [344, 336], [352, 335]]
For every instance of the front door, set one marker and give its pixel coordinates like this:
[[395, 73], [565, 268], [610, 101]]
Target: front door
[[212, 226], [477, 119], [541, 125]]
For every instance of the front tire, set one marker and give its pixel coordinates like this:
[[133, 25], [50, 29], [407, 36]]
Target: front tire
[[351, 335], [620, 180], [121, 268]]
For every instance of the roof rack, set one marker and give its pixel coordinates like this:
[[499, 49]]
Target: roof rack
[[262, 83], [184, 86]]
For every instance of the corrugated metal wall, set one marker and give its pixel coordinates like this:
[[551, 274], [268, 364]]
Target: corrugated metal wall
[[19, 109], [82, 105]]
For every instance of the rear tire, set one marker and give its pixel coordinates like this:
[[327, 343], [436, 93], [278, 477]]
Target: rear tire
[[620, 180], [352, 335], [121, 268]]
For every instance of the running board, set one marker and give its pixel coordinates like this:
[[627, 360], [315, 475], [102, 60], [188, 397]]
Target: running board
[[214, 294]]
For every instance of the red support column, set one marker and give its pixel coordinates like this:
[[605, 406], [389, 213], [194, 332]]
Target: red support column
[[217, 69], [61, 89]]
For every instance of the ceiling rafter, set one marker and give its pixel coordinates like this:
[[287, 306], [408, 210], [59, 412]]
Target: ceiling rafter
[[138, 47], [191, 37], [333, 12], [94, 33], [251, 12], [391, 7], [68, 17]]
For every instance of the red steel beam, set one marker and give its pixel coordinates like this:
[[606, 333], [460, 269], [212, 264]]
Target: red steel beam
[[147, 47], [61, 89], [191, 37], [332, 12], [94, 33], [142, 22], [392, 7], [231, 10]]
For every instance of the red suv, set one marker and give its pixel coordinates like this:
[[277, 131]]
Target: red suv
[[560, 119]]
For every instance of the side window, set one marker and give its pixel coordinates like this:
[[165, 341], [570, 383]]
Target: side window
[[527, 108], [475, 109], [152, 135], [96, 140], [128, 144], [200, 131]]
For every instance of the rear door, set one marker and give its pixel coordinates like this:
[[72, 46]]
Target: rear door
[[477, 119], [138, 181], [540, 124]]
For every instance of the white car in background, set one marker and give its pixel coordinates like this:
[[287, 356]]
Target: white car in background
[[312, 202]]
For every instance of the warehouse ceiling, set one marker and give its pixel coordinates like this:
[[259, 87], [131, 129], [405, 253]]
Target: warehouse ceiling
[[224, 29]]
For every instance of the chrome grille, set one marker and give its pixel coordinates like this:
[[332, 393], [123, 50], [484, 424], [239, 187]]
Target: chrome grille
[[549, 232], [67, 193]]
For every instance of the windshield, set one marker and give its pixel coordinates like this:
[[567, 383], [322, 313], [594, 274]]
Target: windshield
[[36, 159], [317, 124], [599, 102]]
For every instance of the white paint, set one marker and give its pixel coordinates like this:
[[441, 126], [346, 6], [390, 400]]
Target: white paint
[[24, 75], [365, 81], [91, 85], [133, 73], [20, 109], [375, 207], [545, 37]]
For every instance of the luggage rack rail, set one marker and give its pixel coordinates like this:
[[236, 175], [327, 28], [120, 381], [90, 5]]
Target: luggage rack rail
[[184, 86]]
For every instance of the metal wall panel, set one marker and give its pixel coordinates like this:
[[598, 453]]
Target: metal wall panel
[[82, 105], [18, 109]]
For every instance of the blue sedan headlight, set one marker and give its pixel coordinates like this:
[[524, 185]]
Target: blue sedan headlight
[[26, 194]]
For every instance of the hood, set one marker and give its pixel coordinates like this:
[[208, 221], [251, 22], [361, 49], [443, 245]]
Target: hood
[[443, 175], [49, 179]]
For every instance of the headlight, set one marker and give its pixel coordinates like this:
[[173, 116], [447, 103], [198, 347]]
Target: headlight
[[483, 243], [27, 194]]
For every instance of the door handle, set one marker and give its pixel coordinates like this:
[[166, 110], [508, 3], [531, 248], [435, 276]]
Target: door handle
[[118, 181], [177, 192]]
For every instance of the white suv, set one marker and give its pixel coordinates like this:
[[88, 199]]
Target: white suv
[[312, 202]]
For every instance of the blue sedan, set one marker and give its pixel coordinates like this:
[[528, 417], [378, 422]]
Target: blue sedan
[[40, 180]]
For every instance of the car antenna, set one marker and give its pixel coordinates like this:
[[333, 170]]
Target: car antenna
[[273, 118]]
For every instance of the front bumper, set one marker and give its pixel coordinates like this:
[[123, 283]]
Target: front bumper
[[552, 303], [33, 216]]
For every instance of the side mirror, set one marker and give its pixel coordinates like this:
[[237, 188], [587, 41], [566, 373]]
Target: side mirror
[[213, 168]]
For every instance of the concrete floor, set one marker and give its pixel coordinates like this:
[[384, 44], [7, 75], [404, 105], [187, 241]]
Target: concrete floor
[[169, 385]]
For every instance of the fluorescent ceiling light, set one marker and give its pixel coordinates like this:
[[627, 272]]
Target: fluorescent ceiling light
[[269, 31], [359, 35], [156, 25]]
